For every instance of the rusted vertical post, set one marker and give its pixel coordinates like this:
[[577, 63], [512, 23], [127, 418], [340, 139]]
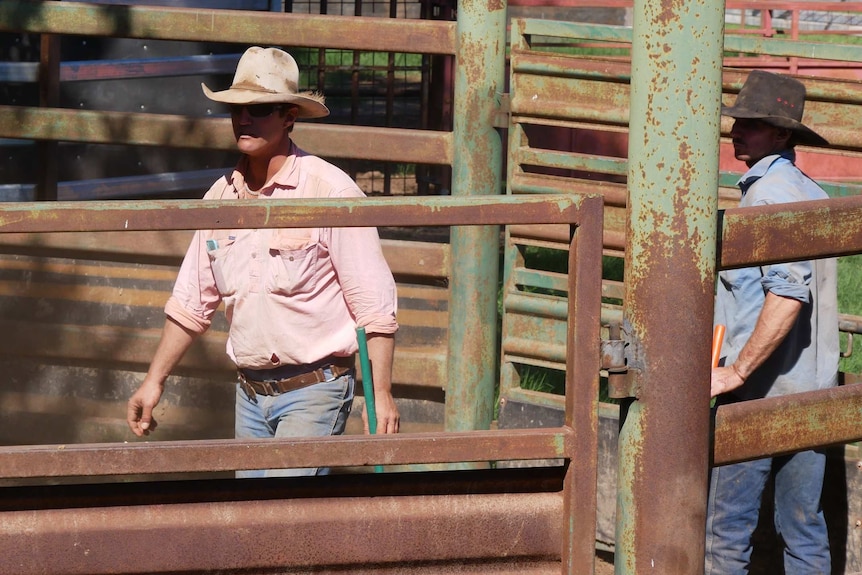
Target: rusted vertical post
[[670, 269], [476, 170], [49, 96]]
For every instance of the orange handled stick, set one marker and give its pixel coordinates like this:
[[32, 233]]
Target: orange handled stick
[[717, 340]]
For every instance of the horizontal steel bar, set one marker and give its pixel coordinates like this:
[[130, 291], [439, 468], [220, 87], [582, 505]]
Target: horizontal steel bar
[[539, 279], [572, 30], [767, 427], [283, 535], [839, 7], [793, 48], [542, 63], [750, 44], [571, 161], [543, 348], [328, 140], [619, 166], [227, 455], [786, 232], [384, 144], [210, 214], [241, 27], [586, 100], [551, 87], [84, 70], [539, 398], [529, 183], [153, 185], [115, 128]]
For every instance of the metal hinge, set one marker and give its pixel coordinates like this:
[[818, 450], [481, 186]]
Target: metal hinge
[[622, 360]]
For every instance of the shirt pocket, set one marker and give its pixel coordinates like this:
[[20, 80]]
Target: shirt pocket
[[224, 268], [293, 261]]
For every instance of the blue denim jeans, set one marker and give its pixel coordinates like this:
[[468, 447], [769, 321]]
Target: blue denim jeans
[[734, 504], [314, 411]]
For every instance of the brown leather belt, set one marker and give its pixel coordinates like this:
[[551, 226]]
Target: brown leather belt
[[331, 368]]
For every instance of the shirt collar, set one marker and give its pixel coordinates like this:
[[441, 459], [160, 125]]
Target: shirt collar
[[286, 177], [762, 166]]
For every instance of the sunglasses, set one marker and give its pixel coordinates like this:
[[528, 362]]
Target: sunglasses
[[254, 110]]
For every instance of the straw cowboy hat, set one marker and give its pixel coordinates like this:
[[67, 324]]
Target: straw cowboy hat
[[269, 76], [777, 100]]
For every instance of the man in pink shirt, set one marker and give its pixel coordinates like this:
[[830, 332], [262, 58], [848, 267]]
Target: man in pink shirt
[[293, 297]]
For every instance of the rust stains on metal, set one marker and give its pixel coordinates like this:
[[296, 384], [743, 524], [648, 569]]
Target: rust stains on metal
[[222, 455], [786, 232], [253, 535], [241, 26], [206, 214], [778, 425]]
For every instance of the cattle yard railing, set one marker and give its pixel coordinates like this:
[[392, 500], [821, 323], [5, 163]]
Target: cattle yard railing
[[540, 520], [570, 119], [107, 526]]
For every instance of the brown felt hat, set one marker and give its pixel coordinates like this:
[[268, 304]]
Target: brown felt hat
[[269, 76], [777, 100]]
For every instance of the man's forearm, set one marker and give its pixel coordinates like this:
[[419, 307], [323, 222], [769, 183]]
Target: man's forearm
[[173, 345], [775, 321], [381, 351]]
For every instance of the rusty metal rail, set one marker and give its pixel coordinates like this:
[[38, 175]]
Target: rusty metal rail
[[95, 525], [166, 23], [502, 522], [93, 460], [587, 99]]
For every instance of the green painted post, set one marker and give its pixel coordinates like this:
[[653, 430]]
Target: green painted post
[[476, 170], [670, 270], [367, 385], [367, 380]]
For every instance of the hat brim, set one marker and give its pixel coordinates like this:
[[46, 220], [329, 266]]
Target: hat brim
[[309, 106], [804, 134]]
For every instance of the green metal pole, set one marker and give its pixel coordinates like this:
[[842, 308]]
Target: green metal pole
[[367, 385], [476, 170], [670, 270], [367, 380]]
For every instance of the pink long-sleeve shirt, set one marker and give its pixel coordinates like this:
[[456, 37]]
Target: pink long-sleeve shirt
[[291, 296]]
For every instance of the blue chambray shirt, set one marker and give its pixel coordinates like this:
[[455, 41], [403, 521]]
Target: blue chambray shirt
[[808, 357]]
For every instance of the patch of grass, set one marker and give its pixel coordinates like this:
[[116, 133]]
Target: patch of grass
[[850, 302]]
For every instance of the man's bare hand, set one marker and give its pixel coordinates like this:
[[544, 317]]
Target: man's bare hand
[[139, 412], [388, 419], [724, 379]]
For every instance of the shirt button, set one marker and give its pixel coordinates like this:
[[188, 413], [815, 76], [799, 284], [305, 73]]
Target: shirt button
[[290, 258]]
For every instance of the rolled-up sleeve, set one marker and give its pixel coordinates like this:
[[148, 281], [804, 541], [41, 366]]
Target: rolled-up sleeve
[[790, 280], [365, 278], [195, 297]]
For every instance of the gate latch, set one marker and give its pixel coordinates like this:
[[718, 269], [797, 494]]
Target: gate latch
[[620, 360]]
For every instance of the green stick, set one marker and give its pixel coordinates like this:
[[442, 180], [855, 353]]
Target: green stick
[[367, 385]]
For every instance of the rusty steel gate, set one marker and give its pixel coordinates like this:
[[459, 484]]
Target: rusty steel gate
[[461, 500]]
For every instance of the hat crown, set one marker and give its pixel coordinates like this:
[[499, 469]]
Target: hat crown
[[776, 100], [269, 76], [772, 95], [268, 70]]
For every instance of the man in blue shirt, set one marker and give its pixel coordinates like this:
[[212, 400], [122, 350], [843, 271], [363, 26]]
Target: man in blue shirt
[[781, 338]]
